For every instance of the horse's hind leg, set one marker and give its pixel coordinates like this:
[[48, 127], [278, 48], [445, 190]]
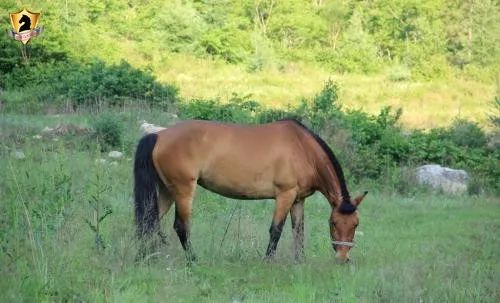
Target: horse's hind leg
[[182, 223], [283, 203], [297, 215], [165, 201]]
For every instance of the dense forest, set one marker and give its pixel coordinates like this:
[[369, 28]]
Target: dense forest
[[426, 38]]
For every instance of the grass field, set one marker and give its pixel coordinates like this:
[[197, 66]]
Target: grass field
[[426, 104], [421, 248]]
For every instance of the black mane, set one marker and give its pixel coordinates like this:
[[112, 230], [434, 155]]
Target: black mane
[[346, 207]]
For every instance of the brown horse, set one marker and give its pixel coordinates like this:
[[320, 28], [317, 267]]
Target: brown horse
[[283, 160]]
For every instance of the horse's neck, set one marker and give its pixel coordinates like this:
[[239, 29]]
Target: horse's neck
[[326, 179], [329, 184]]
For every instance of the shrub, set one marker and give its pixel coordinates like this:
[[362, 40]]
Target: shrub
[[108, 130], [324, 108], [11, 59], [494, 116], [467, 134], [272, 114], [94, 82], [230, 45], [120, 81], [240, 109], [213, 109]]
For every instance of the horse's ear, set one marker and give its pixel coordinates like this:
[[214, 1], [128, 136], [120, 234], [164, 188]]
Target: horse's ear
[[359, 198]]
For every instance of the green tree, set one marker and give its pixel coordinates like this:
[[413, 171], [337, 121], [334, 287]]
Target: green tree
[[357, 51]]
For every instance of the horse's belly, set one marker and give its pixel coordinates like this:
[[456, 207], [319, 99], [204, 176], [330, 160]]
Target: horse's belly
[[239, 188]]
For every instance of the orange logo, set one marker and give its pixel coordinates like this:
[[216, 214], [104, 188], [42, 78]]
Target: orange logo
[[24, 25]]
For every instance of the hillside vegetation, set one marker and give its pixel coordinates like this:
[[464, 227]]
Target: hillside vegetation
[[435, 59]]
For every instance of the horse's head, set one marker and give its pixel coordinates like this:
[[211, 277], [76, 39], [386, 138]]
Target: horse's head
[[343, 222]]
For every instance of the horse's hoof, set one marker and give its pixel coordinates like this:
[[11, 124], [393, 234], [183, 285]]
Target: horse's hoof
[[191, 259], [268, 258], [300, 260]]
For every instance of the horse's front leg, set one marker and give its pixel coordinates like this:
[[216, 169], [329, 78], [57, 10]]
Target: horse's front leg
[[297, 215], [284, 202]]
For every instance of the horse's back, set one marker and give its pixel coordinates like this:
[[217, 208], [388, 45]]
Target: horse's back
[[241, 161], [215, 137]]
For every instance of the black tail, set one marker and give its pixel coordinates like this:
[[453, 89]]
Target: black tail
[[146, 182]]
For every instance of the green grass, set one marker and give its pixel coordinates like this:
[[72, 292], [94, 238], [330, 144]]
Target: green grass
[[423, 248]]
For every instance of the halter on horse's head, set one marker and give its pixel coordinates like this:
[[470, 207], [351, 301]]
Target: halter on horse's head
[[343, 223]]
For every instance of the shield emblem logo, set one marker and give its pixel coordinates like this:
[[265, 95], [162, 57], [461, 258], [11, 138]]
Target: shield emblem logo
[[24, 25]]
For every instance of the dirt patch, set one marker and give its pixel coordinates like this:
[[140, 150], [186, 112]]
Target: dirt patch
[[65, 129]]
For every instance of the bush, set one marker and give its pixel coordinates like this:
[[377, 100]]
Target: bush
[[273, 114], [324, 108], [240, 109], [467, 134], [213, 109], [494, 116], [108, 130], [230, 45], [11, 59], [88, 84]]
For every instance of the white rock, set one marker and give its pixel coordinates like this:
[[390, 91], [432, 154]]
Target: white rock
[[115, 154], [148, 128], [38, 137], [47, 130], [19, 155], [448, 180]]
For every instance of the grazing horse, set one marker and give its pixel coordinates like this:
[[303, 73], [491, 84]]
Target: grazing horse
[[283, 160]]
